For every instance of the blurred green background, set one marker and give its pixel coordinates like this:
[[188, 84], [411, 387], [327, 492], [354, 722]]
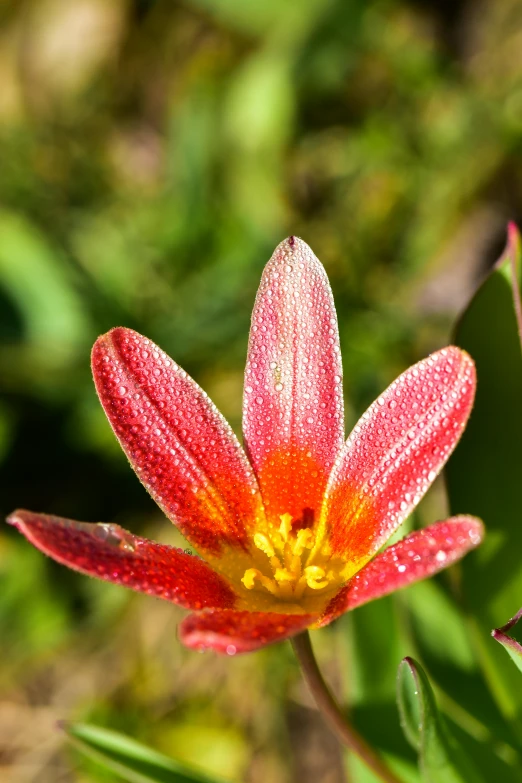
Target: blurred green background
[[152, 155]]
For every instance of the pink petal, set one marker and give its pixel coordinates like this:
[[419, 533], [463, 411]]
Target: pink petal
[[108, 552], [180, 446], [233, 632], [395, 452], [418, 556], [293, 405]]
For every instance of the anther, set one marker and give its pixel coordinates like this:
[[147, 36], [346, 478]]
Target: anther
[[305, 540], [261, 541], [250, 577], [313, 576], [285, 527], [283, 575]]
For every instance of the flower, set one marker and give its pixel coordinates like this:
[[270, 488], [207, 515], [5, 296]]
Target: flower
[[291, 528]]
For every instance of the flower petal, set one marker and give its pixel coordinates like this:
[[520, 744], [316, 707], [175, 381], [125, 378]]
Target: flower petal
[[395, 452], [111, 553], [238, 632], [182, 449], [418, 556], [293, 405]]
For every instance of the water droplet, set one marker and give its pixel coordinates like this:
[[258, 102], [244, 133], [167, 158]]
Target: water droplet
[[115, 536]]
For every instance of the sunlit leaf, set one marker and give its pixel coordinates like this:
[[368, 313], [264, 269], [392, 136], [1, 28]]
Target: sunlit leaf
[[484, 473], [440, 759], [373, 664], [133, 761], [375, 645], [453, 665]]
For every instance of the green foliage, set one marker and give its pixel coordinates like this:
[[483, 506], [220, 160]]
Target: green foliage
[[448, 622], [130, 759], [440, 759], [484, 475]]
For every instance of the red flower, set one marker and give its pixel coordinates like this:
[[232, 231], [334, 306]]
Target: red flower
[[291, 530]]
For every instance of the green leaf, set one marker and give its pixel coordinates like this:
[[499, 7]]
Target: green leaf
[[133, 761], [371, 686], [511, 645], [453, 666], [35, 275], [440, 759], [373, 665], [483, 476]]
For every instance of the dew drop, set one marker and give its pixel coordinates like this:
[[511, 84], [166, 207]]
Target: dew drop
[[115, 536]]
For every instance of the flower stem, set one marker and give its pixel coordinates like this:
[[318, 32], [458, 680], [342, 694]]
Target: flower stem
[[332, 712]]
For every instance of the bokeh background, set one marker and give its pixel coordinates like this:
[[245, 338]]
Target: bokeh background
[[152, 155]]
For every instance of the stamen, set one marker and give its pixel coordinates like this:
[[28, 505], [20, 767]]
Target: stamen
[[285, 527], [250, 577], [288, 556], [252, 574], [285, 550], [261, 541], [313, 575], [305, 540], [283, 575]]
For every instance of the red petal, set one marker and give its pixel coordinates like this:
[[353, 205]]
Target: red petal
[[111, 553], [238, 632], [418, 556], [395, 452], [178, 443], [293, 406]]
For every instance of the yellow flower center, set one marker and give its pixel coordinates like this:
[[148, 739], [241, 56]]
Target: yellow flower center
[[290, 559]]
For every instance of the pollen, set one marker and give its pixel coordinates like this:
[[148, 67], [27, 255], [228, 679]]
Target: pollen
[[294, 565]]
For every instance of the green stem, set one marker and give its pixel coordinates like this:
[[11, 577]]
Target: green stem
[[332, 712]]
